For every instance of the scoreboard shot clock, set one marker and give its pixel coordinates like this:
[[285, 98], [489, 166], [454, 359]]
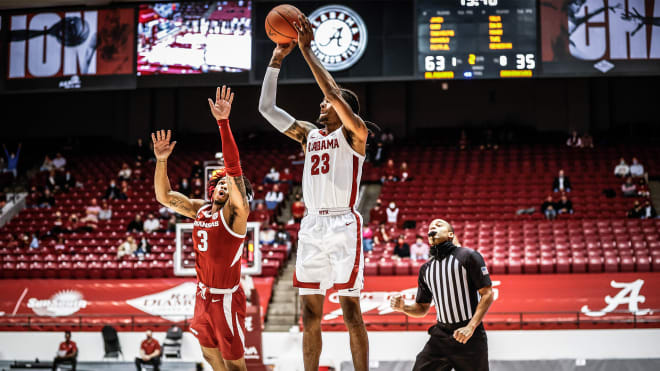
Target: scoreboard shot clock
[[485, 39]]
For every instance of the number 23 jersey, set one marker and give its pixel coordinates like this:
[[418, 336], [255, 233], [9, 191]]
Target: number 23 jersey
[[218, 250], [331, 177]]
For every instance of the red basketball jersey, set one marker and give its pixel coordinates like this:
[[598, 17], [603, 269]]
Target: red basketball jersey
[[218, 250]]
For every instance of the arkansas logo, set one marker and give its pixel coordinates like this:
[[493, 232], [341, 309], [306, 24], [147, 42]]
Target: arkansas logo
[[174, 304], [63, 303]]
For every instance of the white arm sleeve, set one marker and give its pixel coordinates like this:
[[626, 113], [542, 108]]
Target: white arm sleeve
[[277, 117]]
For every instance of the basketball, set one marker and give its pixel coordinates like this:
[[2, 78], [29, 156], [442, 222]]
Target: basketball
[[279, 23]]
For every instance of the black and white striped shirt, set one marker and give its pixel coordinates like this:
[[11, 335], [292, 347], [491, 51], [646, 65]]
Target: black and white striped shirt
[[453, 284]]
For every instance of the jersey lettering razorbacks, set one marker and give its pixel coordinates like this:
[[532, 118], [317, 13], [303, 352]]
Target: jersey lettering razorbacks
[[331, 177], [218, 250]]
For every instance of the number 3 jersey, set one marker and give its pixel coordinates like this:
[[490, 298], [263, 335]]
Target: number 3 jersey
[[331, 177], [218, 250]]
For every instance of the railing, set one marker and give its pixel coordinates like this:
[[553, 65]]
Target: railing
[[391, 321]]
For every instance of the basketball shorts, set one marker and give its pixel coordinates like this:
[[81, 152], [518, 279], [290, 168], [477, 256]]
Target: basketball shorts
[[330, 255], [219, 321]]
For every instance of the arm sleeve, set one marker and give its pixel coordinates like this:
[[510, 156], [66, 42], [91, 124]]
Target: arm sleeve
[[424, 295], [478, 271], [230, 150], [277, 117]]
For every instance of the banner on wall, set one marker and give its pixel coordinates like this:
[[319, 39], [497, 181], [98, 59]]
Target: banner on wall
[[597, 37], [76, 49], [590, 295]]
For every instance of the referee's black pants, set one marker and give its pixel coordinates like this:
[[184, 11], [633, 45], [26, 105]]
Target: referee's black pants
[[442, 352]]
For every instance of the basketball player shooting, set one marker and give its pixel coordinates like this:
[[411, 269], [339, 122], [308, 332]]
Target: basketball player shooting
[[218, 233], [329, 244]]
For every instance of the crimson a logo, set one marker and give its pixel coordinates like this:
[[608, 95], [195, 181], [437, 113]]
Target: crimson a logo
[[340, 36]]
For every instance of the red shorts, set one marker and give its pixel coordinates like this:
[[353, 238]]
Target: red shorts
[[219, 322]]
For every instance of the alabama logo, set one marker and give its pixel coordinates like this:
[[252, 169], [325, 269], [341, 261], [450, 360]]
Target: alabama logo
[[340, 36], [63, 303]]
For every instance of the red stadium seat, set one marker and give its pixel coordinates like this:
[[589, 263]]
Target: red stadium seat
[[579, 265], [563, 265], [370, 268], [64, 270], [402, 267], [386, 268], [611, 264], [642, 264], [80, 270]]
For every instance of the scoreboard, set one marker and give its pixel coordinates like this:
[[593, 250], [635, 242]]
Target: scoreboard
[[464, 39]]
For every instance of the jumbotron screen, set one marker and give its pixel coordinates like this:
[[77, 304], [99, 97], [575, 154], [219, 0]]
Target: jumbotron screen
[[194, 37], [463, 39]]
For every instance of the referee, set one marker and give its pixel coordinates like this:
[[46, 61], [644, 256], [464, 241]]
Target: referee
[[457, 281]]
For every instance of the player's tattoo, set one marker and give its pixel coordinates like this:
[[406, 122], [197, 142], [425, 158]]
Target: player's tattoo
[[180, 207], [240, 186], [275, 63], [299, 130]]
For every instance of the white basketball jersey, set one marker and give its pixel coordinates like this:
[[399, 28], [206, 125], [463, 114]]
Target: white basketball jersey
[[331, 177]]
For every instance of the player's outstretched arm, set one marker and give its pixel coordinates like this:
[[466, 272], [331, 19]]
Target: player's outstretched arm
[[279, 118], [352, 122], [238, 208], [164, 193]]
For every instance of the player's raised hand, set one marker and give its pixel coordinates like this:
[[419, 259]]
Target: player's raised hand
[[397, 303], [162, 146], [282, 50], [305, 31], [222, 105]]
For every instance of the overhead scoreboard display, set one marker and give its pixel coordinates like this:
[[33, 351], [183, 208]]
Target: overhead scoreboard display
[[464, 39]]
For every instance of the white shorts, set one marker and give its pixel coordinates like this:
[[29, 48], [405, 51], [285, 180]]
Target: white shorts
[[330, 255]]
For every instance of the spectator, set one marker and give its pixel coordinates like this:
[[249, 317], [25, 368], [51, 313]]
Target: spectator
[[379, 154], [24, 241], [377, 213], [112, 192], [404, 173], [59, 161], [548, 209], [196, 171], [126, 248], [636, 212], [197, 183], [67, 353], [286, 176], [125, 172], [564, 206], [561, 183], [387, 137], [463, 141], [152, 224], [401, 249], [46, 199], [125, 191], [267, 235], [149, 353], [105, 213], [636, 169], [69, 181], [574, 141], [419, 250], [92, 213], [643, 188], [12, 160], [648, 211], [282, 237], [136, 225], [142, 151], [52, 181], [272, 177], [622, 170], [171, 224], [587, 141], [138, 174], [73, 225], [367, 238], [392, 213], [165, 212], [274, 197], [298, 209], [184, 187], [34, 241], [59, 245], [629, 189], [389, 173], [58, 225], [381, 235], [143, 248], [260, 214], [47, 165]]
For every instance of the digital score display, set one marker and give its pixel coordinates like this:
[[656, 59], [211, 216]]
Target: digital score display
[[465, 39]]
